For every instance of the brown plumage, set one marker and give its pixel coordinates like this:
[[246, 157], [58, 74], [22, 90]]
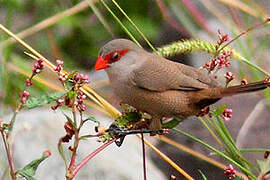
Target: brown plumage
[[161, 87]]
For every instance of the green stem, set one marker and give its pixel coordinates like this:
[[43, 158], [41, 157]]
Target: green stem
[[217, 151], [254, 66], [8, 149], [134, 25], [121, 24], [254, 150]]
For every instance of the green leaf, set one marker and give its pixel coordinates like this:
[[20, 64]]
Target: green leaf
[[70, 84], [93, 119], [104, 138], [127, 108], [70, 120], [220, 153], [33, 102], [261, 164], [30, 169], [70, 76], [127, 118], [171, 124], [237, 178], [264, 165], [61, 152], [220, 109], [203, 176], [71, 94]]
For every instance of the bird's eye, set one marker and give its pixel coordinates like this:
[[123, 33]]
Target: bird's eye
[[115, 56]]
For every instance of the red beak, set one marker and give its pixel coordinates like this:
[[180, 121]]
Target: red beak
[[101, 64]]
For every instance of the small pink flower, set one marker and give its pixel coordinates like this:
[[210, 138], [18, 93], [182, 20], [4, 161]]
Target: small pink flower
[[38, 66], [79, 102], [207, 65], [227, 114], [24, 97], [85, 78], [23, 100], [166, 131], [213, 64], [222, 37], [229, 77], [230, 172], [224, 59], [82, 107], [59, 65], [29, 82], [81, 78], [62, 78], [59, 102], [26, 93]]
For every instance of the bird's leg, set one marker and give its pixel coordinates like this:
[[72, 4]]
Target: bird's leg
[[203, 111], [155, 123]]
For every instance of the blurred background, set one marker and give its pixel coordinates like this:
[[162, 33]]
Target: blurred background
[[74, 31]]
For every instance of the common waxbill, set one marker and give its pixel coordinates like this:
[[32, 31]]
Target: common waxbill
[[160, 87]]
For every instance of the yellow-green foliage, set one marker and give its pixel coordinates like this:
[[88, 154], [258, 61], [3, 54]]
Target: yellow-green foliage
[[187, 46]]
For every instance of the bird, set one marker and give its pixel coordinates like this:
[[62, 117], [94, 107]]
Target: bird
[[160, 87]]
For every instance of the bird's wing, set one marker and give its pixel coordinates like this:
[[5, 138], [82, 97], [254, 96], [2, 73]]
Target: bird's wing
[[164, 75]]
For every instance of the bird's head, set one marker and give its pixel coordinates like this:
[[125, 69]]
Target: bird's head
[[112, 52]]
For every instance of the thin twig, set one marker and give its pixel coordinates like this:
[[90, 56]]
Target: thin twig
[[134, 25], [90, 136], [100, 17], [75, 145], [90, 156], [144, 163], [244, 32], [120, 23], [167, 159], [9, 155]]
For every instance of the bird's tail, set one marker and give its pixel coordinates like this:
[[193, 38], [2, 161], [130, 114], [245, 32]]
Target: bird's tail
[[251, 87], [212, 95]]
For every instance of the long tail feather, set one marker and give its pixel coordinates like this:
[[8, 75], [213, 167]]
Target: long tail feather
[[251, 87], [209, 96]]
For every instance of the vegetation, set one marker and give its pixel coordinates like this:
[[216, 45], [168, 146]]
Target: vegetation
[[68, 34]]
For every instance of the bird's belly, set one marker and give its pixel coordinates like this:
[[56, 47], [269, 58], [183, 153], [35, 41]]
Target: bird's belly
[[162, 104]]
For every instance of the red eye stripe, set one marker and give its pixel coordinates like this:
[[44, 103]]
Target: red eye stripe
[[109, 57]]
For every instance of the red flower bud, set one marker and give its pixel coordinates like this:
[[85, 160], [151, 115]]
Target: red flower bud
[[47, 153]]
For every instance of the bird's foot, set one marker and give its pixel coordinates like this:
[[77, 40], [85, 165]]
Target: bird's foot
[[121, 133], [204, 111]]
